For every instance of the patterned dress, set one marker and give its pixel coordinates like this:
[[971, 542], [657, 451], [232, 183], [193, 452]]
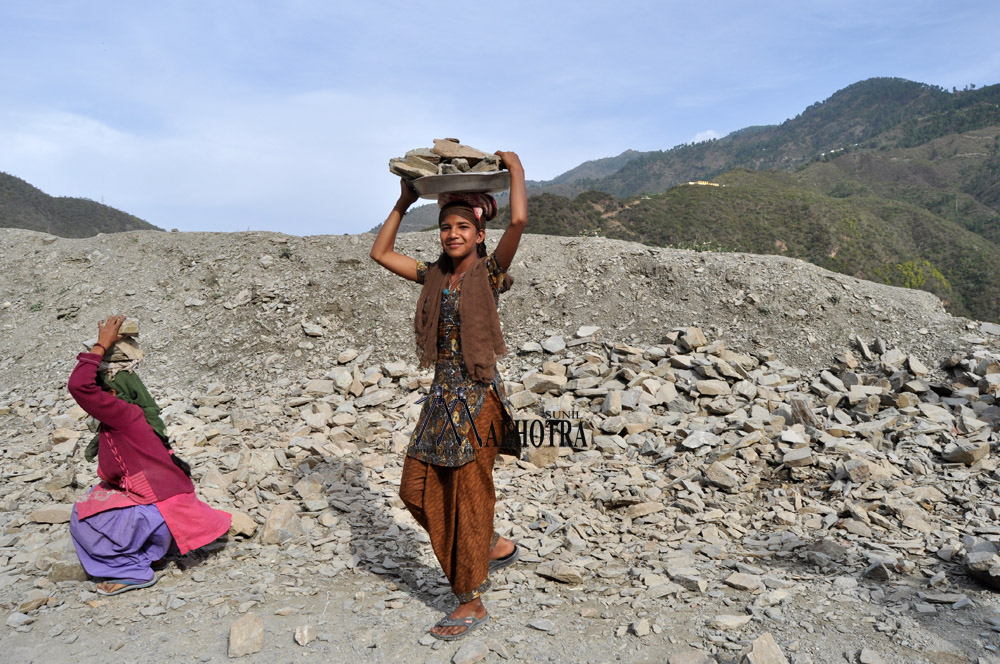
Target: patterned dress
[[445, 434]]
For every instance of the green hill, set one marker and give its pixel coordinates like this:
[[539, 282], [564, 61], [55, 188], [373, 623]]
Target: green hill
[[956, 177], [597, 168], [25, 206], [888, 180], [878, 113], [863, 234]]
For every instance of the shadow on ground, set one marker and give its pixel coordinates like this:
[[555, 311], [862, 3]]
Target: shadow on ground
[[380, 543]]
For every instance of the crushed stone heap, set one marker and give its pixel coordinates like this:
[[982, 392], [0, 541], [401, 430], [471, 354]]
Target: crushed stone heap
[[702, 474], [808, 475]]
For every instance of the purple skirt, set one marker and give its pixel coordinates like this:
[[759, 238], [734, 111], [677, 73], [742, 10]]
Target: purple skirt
[[121, 543]]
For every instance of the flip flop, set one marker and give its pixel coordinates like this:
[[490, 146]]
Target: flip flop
[[507, 560], [129, 585], [469, 622]]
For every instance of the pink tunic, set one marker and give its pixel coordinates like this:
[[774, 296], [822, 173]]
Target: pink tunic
[[135, 467]]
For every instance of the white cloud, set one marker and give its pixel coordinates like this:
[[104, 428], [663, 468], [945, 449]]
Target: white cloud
[[706, 135], [306, 163]]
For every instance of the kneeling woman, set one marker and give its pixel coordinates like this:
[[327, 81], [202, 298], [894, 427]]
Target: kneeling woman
[[145, 501]]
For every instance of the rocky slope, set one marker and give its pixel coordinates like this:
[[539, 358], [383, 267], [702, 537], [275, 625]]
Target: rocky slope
[[781, 463], [234, 304]]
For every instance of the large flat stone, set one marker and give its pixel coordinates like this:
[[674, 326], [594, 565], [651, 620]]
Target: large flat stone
[[246, 636], [282, 524], [52, 514], [763, 650]]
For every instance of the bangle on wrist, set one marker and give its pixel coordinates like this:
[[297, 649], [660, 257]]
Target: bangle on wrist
[[401, 211], [102, 348]]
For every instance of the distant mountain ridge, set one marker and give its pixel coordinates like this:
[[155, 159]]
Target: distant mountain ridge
[[25, 206], [595, 168], [889, 180], [877, 113], [770, 212], [891, 112]]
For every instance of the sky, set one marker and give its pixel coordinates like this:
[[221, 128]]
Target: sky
[[235, 115]]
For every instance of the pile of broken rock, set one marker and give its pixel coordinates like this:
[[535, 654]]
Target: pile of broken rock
[[447, 157], [709, 478]]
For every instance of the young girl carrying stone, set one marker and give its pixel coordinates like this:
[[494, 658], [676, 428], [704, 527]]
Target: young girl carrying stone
[[447, 481]]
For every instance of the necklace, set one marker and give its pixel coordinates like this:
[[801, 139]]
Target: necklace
[[455, 278]]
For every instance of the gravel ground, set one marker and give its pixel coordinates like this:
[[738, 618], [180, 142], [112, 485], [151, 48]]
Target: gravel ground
[[227, 314]]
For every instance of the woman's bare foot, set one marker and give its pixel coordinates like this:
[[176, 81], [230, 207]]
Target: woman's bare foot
[[503, 549], [117, 586], [108, 587], [475, 609]]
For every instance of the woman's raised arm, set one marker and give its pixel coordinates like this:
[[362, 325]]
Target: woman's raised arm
[[507, 246], [83, 386], [383, 250]]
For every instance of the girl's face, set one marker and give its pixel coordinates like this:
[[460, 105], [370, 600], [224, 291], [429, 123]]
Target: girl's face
[[459, 237]]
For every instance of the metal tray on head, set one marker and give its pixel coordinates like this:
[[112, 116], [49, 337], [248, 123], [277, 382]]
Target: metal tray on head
[[432, 185]]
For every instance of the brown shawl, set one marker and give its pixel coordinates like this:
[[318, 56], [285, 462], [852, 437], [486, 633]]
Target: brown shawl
[[479, 323]]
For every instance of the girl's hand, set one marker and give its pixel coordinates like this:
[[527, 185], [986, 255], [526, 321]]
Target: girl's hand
[[107, 333], [510, 161], [407, 196]]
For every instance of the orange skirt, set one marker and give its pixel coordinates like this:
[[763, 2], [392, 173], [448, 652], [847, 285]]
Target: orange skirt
[[455, 506]]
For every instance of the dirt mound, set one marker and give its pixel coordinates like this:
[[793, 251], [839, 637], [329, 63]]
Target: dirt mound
[[752, 480], [232, 307]]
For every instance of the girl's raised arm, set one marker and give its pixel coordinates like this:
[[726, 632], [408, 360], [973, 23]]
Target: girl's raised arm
[[507, 246], [383, 250]]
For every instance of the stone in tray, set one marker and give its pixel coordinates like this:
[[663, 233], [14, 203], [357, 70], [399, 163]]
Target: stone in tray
[[447, 157]]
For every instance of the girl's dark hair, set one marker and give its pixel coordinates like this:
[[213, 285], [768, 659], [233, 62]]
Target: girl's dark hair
[[182, 464]]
